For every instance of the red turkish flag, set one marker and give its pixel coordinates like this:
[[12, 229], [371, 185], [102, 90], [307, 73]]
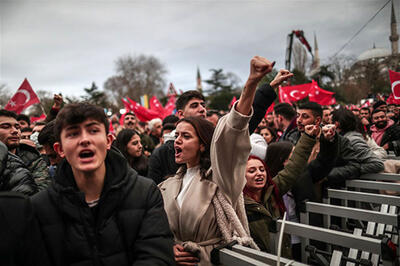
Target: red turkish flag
[[156, 106], [170, 106], [320, 96], [142, 113], [395, 80], [392, 100], [24, 97], [128, 106], [270, 109], [294, 93], [37, 119]]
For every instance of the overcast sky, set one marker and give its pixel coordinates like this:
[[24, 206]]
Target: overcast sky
[[62, 46]]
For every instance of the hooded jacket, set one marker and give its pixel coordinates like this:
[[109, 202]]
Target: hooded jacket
[[14, 176], [128, 226]]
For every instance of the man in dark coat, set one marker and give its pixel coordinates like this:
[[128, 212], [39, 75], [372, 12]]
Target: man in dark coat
[[14, 176], [10, 135], [98, 210]]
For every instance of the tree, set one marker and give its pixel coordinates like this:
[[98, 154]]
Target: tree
[[95, 96], [136, 75], [222, 88], [220, 81]]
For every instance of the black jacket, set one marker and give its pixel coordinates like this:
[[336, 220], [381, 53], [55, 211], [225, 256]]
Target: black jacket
[[354, 158], [162, 161], [14, 176], [21, 243], [35, 164], [392, 137], [128, 226]]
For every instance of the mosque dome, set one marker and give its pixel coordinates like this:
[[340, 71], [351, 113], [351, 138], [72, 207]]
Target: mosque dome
[[374, 53]]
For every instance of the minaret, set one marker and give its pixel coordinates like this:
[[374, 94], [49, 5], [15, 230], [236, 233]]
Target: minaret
[[316, 53], [394, 37], [315, 66]]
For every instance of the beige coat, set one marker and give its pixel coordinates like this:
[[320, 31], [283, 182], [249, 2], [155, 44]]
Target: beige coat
[[195, 221]]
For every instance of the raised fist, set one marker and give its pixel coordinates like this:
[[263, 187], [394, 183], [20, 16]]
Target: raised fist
[[259, 67], [312, 130], [282, 76], [329, 131]]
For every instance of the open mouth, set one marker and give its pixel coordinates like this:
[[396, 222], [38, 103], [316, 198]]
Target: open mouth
[[260, 179], [178, 151], [86, 154]]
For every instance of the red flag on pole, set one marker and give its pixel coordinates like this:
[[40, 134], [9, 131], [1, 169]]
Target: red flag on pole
[[156, 106], [320, 96], [127, 105], [294, 93], [395, 81], [170, 106], [23, 98], [142, 113]]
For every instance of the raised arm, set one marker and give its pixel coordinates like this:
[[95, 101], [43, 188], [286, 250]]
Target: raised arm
[[230, 146], [265, 96]]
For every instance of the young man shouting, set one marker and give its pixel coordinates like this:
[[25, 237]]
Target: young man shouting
[[98, 211]]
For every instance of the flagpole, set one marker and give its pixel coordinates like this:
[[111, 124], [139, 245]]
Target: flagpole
[[41, 107]]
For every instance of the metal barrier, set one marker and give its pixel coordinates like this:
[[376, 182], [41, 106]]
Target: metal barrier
[[367, 184], [381, 177], [234, 254], [364, 197], [347, 240]]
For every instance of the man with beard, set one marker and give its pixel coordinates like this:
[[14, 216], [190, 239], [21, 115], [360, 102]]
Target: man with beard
[[385, 132], [10, 135]]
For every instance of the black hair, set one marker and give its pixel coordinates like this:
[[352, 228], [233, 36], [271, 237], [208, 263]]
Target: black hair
[[7, 113], [277, 154], [46, 135], [272, 131], [185, 97], [76, 113], [167, 126], [315, 108], [204, 130], [285, 110], [24, 117], [377, 111], [140, 164], [171, 119], [365, 108], [346, 119]]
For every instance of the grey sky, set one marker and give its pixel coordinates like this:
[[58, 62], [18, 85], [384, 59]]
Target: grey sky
[[62, 46]]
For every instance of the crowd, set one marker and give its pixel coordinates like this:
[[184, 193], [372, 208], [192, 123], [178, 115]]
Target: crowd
[[169, 191]]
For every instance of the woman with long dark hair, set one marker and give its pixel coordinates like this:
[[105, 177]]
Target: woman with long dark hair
[[266, 185], [128, 142], [207, 191]]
